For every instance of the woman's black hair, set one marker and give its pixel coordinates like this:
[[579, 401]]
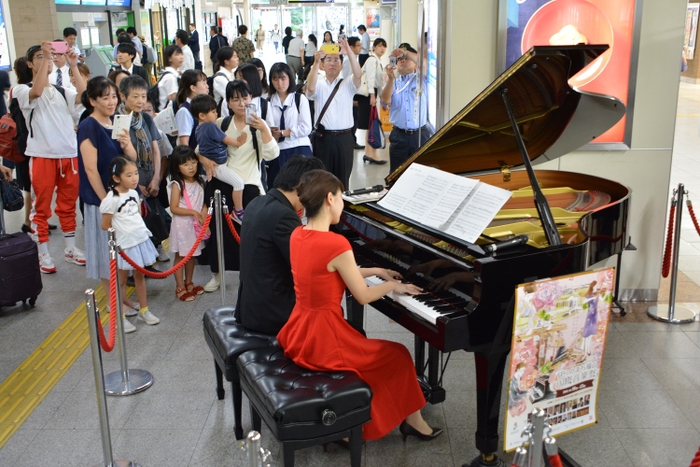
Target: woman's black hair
[[96, 88], [249, 73], [114, 74], [170, 50], [223, 54], [324, 37], [379, 41], [259, 64], [188, 78], [237, 88], [280, 69], [116, 168], [314, 189], [312, 38], [22, 71], [180, 155]]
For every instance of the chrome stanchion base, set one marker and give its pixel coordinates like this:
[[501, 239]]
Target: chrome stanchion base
[[139, 380], [121, 463], [681, 314]]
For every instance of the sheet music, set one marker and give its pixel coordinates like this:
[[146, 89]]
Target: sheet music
[[477, 211], [459, 206], [121, 122], [165, 121], [427, 195]]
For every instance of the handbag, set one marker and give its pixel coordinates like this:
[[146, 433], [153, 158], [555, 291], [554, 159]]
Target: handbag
[[12, 198], [318, 128], [197, 226], [363, 90], [154, 217], [375, 133]]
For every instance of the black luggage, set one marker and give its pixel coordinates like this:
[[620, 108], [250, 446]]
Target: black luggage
[[20, 277]]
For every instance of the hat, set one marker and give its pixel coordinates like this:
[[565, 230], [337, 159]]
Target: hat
[[142, 38], [31, 51]]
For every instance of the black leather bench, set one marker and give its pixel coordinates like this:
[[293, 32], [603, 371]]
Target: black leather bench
[[301, 407], [227, 340]]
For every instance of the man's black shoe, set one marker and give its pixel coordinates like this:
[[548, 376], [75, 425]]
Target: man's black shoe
[[357, 146], [52, 227], [151, 269]]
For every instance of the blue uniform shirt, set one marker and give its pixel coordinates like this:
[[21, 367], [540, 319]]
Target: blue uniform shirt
[[403, 102]]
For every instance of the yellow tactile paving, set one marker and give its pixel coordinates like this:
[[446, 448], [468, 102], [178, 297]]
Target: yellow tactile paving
[[29, 384]]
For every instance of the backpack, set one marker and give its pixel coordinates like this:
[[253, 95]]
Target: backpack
[[144, 55], [153, 94], [14, 130]]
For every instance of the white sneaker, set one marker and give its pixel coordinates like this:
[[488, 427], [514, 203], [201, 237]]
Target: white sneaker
[[76, 255], [131, 311], [46, 265], [149, 318], [128, 327], [163, 256], [213, 284]]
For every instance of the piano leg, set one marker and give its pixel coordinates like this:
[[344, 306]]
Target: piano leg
[[434, 393], [355, 313]]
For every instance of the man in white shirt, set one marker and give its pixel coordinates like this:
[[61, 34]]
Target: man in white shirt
[[182, 40], [70, 35], [334, 139], [59, 74], [364, 38], [295, 52]]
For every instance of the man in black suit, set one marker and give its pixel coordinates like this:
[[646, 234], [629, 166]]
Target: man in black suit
[[193, 42], [125, 57], [266, 291], [216, 41]]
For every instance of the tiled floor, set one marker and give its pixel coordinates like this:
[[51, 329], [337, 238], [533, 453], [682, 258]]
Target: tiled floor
[[648, 408]]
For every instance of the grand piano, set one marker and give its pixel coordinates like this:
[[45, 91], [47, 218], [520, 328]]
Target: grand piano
[[571, 221]]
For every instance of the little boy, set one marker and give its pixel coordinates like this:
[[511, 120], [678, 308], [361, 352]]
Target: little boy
[[213, 144]]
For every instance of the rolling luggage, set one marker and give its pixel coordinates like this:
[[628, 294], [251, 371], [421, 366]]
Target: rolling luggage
[[20, 278]]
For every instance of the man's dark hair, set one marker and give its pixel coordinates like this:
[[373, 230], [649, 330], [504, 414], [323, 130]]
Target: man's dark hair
[[362, 28], [120, 31], [214, 29], [242, 29], [69, 32], [124, 38], [125, 48], [288, 31], [353, 40], [202, 104], [193, 25], [182, 36], [131, 30], [290, 174]]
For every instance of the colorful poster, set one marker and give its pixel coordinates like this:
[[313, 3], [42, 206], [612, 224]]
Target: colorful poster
[[565, 22], [557, 351], [691, 30]]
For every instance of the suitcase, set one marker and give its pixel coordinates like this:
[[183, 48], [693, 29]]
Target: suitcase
[[20, 277]]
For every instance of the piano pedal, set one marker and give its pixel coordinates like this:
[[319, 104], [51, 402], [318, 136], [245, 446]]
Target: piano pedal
[[433, 394]]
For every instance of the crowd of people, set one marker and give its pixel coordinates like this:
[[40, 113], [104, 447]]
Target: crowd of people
[[274, 144]]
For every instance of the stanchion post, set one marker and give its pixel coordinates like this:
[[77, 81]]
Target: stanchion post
[[672, 313], [93, 323], [124, 382], [218, 207], [535, 451]]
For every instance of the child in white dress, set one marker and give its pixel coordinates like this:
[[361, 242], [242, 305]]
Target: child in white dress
[[121, 210], [189, 212]]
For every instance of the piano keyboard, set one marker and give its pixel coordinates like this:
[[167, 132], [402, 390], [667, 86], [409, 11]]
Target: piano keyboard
[[430, 306]]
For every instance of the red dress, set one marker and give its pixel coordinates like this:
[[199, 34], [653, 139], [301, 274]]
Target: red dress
[[317, 337]]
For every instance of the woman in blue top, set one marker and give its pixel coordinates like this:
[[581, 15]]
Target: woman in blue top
[[96, 149]]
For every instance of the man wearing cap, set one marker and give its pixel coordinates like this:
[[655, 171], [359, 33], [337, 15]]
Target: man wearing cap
[[402, 96], [53, 148], [334, 140]]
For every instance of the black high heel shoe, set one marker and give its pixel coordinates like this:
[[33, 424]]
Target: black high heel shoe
[[366, 158], [407, 430]]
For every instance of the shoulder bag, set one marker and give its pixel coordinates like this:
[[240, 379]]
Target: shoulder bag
[[319, 128]]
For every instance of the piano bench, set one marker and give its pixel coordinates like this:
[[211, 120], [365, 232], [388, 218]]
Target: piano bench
[[227, 340], [301, 407]]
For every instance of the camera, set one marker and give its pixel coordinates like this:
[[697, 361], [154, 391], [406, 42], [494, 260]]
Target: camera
[[341, 36], [250, 111], [393, 61]]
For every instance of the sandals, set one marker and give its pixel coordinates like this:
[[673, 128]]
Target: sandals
[[184, 295], [194, 289]]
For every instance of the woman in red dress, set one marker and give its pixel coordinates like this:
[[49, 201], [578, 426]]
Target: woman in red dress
[[316, 335]]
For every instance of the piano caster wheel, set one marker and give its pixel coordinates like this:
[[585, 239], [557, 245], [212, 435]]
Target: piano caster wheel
[[480, 462]]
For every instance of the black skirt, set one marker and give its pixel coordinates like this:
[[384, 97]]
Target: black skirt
[[362, 111]]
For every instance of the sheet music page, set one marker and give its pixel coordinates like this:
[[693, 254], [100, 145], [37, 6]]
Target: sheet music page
[[476, 212], [165, 121], [121, 122], [427, 195]]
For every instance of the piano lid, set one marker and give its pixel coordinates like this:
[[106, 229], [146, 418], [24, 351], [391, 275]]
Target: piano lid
[[554, 119]]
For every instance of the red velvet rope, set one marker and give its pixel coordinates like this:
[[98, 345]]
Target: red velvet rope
[[692, 216], [696, 460], [108, 346], [555, 460], [231, 227], [164, 274], [666, 267]]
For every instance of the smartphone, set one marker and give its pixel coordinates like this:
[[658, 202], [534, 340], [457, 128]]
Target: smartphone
[[250, 111], [59, 47], [393, 61], [330, 49]]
